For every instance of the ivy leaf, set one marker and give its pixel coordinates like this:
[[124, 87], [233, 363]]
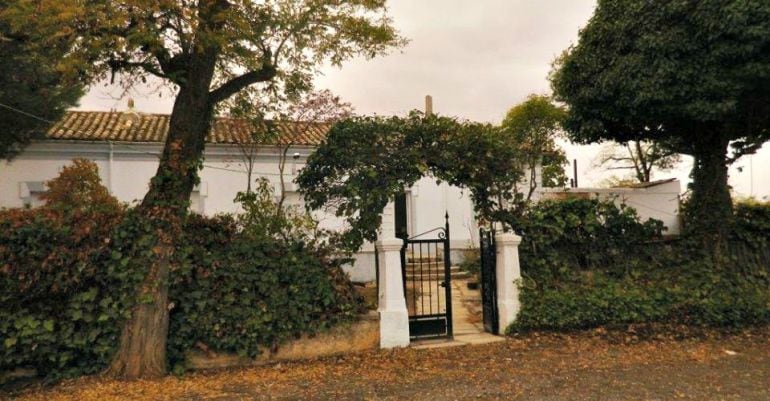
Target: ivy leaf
[[48, 325], [10, 342]]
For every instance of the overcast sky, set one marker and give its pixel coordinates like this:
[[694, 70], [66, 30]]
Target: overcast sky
[[477, 59]]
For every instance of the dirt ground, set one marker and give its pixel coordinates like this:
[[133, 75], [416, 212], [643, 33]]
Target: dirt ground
[[535, 367]]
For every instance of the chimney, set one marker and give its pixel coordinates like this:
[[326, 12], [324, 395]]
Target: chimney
[[130, 117], [428, 105]]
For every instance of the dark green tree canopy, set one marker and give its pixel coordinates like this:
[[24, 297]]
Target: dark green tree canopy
[[29, 82], [365, 161], [670, 69], [691, 74]]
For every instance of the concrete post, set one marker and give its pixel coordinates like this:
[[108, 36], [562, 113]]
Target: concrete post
[[508, 278], [394, 317]]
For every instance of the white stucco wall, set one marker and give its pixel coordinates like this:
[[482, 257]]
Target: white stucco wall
[[660, 202]]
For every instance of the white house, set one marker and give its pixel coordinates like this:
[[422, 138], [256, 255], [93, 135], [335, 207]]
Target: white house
[[126, 147]]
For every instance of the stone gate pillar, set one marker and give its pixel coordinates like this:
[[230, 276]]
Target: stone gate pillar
[[508, 277], [394, 317]]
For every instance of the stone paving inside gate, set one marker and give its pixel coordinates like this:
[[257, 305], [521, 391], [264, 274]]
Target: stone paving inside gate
[[466, 319]]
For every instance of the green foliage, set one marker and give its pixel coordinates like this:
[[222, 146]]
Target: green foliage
[[752, 224], [692, 74], [365, 161], [263, 218], [710, 300], [61, 310], [30, 82], [471, 262], [244, 294], [68, 280], [561, 238], [241, 43], [532, 128], [586, 265], [644, 70]]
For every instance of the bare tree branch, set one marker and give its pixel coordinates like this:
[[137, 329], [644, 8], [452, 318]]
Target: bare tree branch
[[233, 86]]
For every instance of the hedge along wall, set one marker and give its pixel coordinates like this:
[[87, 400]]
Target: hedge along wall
[[586, 263], [60, 313], [245, 294], [65, 291]]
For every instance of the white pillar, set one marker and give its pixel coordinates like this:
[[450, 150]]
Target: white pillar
[[394, 317], [508, 278]]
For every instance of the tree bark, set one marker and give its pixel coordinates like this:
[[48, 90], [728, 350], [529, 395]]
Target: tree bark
[[710, 208], [142, 349]]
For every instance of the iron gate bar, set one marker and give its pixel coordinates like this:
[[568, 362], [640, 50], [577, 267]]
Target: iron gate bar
[[438, 285], [488, 259], [429, 322], [447, 276]]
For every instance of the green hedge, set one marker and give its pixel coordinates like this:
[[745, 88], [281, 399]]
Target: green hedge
[[64, 301], [587, 263], [604, 301], [561, 238], [752, 224], [59, 313], [238, 284], [243, 294]]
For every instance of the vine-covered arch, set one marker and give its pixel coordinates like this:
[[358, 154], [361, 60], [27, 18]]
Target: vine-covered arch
[[365, 161]]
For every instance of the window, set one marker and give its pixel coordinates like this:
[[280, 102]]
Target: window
[[198, 198], [30, 192], [292, 197]]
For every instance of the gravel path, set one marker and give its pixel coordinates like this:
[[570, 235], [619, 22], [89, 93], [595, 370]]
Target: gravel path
[[548, 367]]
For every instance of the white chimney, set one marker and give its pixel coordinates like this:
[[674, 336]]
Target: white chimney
[[428, 105]]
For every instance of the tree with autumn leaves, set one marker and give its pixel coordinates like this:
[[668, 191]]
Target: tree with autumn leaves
[[207, 51]]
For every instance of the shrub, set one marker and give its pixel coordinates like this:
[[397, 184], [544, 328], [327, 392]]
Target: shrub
[[59, 313], [752, 224], [66, 287], [608, 301], [243, 294], [561, 238], [79, 188], [586, 265], [263, 217]]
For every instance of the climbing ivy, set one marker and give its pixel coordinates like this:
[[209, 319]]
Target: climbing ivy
[[365, 161], [241, 284]]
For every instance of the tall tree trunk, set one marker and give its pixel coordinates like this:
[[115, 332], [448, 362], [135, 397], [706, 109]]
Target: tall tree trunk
[[709, 212], [142, 349]]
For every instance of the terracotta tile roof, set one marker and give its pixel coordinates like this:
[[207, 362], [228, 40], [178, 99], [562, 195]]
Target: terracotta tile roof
[[121, 127]]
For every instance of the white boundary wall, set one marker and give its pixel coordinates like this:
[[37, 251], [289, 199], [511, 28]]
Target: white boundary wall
[[656, 200]]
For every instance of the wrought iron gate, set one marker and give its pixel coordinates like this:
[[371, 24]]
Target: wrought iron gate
[[425, 264], [488, 280]]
